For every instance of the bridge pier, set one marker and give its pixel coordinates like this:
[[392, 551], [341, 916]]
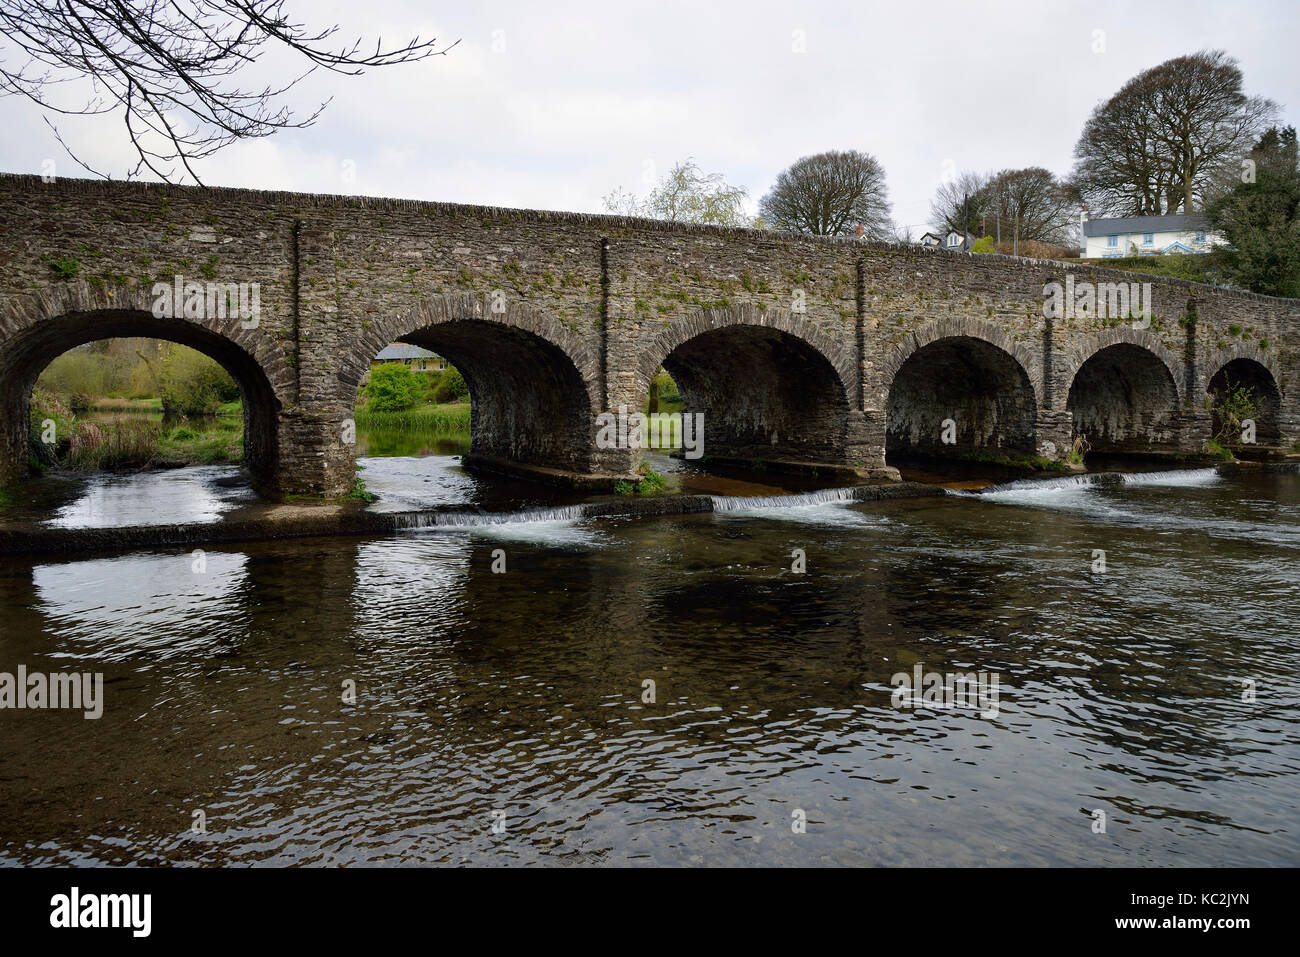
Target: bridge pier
[[1194, 429], [865, 445], [317, 453], [1054, 434]]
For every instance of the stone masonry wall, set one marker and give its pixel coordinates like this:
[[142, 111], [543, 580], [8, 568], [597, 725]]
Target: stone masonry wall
[[555, 318]]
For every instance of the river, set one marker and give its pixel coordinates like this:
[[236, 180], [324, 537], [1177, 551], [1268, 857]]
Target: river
[[504, 717]]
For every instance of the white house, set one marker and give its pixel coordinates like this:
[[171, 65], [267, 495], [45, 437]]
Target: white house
[[1148, 236], [952, 240], [415, 358]]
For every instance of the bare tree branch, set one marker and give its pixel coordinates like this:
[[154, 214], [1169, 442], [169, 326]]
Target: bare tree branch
[[168, 66], [830, 194]]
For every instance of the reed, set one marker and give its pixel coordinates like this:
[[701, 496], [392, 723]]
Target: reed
[[438, 419]]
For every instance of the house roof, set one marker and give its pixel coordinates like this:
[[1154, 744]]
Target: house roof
[[1144, 224], [401, 350]]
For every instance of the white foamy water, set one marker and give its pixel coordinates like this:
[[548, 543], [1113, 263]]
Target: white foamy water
[[558, 525], [1188, 477], [1106, 496], [423, 520], [1075, 488], [750, 503], [823, 507]]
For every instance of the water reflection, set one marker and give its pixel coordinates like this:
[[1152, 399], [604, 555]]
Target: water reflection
[[522, 691]]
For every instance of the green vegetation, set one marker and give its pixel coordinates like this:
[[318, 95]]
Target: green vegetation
[[439, 419], [663, 395], [222, 445], [359, 491], [1079, 449], [119, 374], [399, 400], [686, 195], [1260, 216], [135, 437], [1230, 409], [193, 384], [651, 483], [451, 387], [1205, 267], [1217, 452], [65, 267], [393, 387]]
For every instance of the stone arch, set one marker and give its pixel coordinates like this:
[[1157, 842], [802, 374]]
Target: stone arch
[[1073, 359], [959, 386], [1246, 364], [36, 329], [1125, 398], [1216, 359], [770, 385], [747, 314], [1029, 361], [535, 384]]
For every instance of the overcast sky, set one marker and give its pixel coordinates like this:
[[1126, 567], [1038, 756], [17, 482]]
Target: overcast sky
[[553, 108]]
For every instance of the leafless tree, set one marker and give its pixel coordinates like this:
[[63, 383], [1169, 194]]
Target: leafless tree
[[170, 68], [1163, 141], [830, 194], [1030, 204], [957, 199]]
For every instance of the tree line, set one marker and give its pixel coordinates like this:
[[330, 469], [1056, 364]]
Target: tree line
[[1183, 136]]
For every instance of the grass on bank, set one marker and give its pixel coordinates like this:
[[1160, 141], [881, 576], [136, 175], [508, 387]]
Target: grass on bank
[[129, 440], [444, 419], [651, 483], [125, 444]]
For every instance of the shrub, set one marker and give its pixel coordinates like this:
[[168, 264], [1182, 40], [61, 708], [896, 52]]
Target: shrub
[[193, 384], [651, 482], [451, 386], [1216, 451], [393, 388], [1231, 407]]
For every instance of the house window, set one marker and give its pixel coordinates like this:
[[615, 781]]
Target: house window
[[1200, 235], [1112, 241], [1148, 239]]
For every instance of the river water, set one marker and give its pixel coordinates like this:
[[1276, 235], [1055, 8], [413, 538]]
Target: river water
[[501, 717]]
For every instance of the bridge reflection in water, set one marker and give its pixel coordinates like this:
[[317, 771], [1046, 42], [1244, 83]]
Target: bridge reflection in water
[[524, 691]]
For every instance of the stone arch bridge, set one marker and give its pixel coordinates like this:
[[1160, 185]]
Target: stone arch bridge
[[801, 352]]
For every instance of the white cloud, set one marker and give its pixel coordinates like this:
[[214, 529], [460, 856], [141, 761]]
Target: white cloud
[[582, 95]]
